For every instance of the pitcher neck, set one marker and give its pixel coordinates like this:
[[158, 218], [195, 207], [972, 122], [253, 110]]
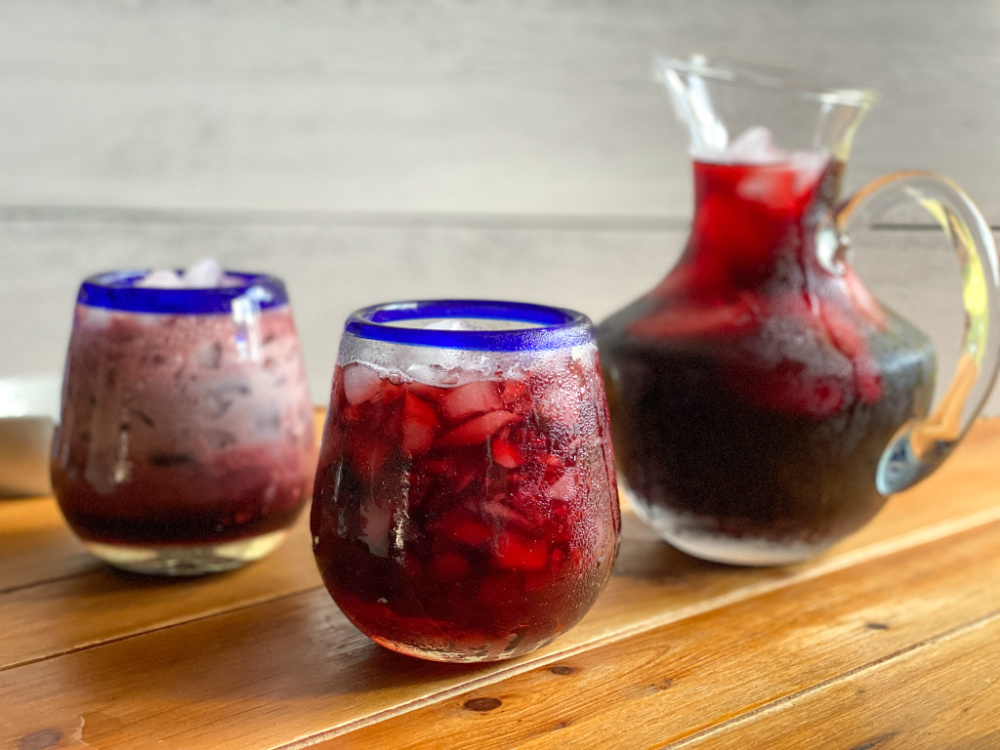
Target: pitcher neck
[[751, 220]]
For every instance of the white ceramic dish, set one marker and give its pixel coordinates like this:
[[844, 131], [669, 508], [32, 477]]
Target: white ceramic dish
[[29, 410]]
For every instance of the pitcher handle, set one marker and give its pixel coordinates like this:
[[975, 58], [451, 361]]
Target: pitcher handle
[[921, 445]]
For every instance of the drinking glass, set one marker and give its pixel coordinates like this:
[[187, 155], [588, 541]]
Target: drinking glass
[[466, 506], [186, 440]]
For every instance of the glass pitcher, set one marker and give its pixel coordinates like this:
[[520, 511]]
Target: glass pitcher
[[764, 404]]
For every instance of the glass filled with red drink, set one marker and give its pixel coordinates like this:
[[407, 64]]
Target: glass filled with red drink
[[466, 506], [186, 442]]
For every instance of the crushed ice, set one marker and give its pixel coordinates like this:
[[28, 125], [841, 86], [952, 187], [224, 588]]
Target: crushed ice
[[205, 274]]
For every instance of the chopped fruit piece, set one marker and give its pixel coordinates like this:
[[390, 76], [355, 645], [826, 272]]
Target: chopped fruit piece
[[465, 530], [477, 430], [516, 553], [360, 383], [502, 515], [419, 425], [515, 395], [505, 454]]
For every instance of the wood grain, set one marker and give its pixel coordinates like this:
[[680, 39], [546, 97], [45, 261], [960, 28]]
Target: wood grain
[[37, 546], [941, 693], [682, 679], [292, 669], [105, 604], [652, 580]]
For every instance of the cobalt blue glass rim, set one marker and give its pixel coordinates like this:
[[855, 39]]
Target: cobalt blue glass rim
[[116, 290], [550, 327]]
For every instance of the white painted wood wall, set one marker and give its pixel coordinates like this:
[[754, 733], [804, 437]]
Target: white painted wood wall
[[368, 151]]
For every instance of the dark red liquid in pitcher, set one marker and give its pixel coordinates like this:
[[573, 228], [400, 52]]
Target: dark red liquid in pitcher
[[465, 523], [753, 391]]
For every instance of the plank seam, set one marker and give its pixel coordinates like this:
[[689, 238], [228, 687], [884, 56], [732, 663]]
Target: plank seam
[[776, 704], [858, 557], [380, 219], [46, 581], [128, 636]]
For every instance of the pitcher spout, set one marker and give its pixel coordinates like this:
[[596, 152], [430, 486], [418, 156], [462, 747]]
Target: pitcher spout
[[759, 112]]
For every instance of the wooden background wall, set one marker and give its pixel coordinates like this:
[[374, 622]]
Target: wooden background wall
[[368, 151]]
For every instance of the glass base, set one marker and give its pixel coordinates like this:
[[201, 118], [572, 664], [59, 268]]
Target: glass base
[[466, 655], [753, 551], [681, 532], [186, 560]]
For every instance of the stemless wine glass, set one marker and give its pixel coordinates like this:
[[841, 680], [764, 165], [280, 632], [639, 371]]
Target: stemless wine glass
[[186, 441], [466, 506]]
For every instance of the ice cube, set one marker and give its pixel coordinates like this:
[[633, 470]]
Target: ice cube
[[161, 279], [360, 383], [754, 146], [450, 324], [204, 274]]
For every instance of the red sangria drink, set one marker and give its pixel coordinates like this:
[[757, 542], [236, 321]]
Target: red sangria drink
[[186, 442], [763, 404], [754, 391], [466, 506]]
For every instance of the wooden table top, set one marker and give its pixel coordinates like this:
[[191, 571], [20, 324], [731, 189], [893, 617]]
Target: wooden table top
[[889, 640]]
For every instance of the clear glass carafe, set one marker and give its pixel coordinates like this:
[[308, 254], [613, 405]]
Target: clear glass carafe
[[764, 404]]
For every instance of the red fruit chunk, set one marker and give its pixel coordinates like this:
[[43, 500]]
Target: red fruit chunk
[[505, 454], [477, 430], [473, 398], [502, 515], [517, 553], [465, 530], [420, 422], [515, 394]]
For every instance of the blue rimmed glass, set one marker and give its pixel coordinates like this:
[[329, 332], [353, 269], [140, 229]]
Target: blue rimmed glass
[[465, 505], [117, 290], [186, 440]]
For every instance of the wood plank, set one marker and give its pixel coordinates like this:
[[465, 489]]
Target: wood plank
[[278, 665], [942, 693], [36, 545], [736, 667], [106, 604], [293, 669], [452, 106], [653, 583]]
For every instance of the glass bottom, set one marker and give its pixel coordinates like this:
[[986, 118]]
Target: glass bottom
[[465, 655], [681, 532], [187, 560]]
